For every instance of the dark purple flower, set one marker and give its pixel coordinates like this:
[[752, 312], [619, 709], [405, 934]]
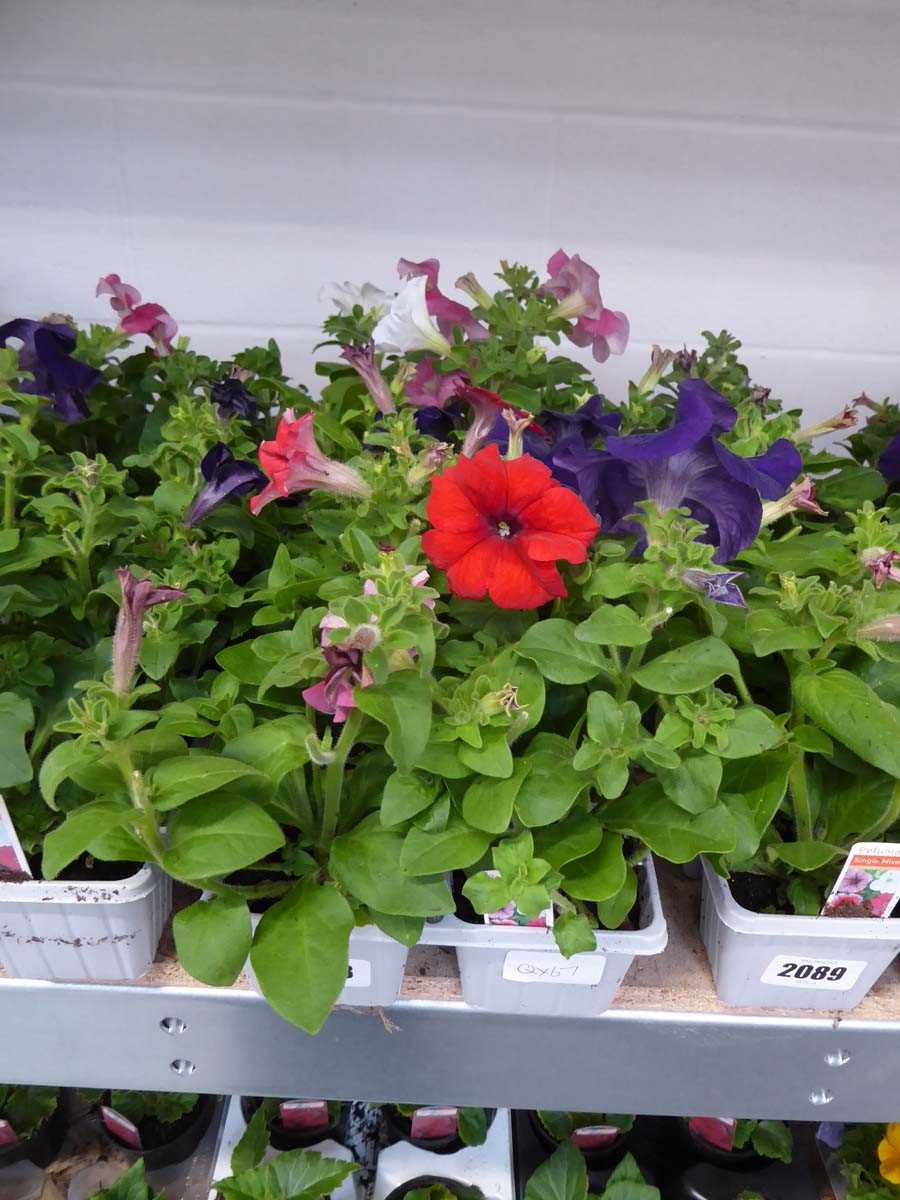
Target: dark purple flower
[[685, 466], [47, 353], [558, 437], [718, 585], [232, 399], [225, 476], [888, 464], [440, 422]]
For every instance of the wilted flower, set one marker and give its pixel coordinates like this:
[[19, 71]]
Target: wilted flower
[[294, 463], [469, 284], [448, 313], [46, 353], [407, 325], [232, 399], [137, 596], [362, 360], [486, 408], [135, 317], [685, 360], [427, 463], [759, 395], [847, 418], [718, 585], [429, 388], [346, 669], [660, 361], [882, 629], [576, 286], [225, 476], [346, 296], [799, 498], [881, 563]]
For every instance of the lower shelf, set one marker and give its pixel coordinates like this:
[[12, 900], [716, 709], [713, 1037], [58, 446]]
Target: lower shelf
[[667, 1046]]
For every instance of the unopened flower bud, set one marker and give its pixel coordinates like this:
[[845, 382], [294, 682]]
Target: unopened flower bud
[[845, 419], [469, 284], [800, 497], [759, 395], [517, 423], [660, 361]]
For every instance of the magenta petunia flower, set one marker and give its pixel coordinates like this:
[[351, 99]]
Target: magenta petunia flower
[[428, 388], [575, 285], [135, 317], [448, 313], [346, 669]]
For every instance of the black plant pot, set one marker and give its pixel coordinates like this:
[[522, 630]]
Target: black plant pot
[[184, 1137], [46, 1141], [399, 1130], [283, 1138], [458, 1189], [597, 1157], [703, 1181], [745, 1159]]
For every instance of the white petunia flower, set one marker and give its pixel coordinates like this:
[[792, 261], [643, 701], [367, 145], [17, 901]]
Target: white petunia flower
[[346, 295], [408, 325]]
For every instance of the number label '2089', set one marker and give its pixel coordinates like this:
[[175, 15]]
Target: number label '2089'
[[830, 973]]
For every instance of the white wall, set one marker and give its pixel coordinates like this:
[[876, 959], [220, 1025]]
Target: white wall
[[721, 162]]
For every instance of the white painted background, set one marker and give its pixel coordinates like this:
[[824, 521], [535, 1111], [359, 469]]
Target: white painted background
[[722, 162]]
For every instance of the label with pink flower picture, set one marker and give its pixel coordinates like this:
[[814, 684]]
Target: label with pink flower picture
[[510, 915], [12, 856], [869, 882]]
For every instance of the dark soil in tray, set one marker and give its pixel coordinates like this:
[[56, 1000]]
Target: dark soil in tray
[[758, 893], [250, 879], [91, 870]]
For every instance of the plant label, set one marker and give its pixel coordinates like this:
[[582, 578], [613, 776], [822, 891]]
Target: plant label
[[359, 973], [8, 1136], [126, 1131], [12, 856], [828, 974], [718, 1131], [546, 966], [303, 1114], [510, 915], [430, 1123], [869, 882], [594, 1137]]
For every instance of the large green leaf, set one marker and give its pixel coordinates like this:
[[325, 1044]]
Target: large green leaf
[[177, 780], [613, 625], [753, 789], [215, 835], [367, 862], [300, 954], [805, 856], [562, 1177], [853, 714], [597, 875], [575, 836], [557, 652], [406, 795], [448, 849], [403, 705], [688, 668], [488, 803], [62, 761], [16, 718], [274, 748], [213, 938], [694, 786], [552, 785], [81, 827], [647, 813]]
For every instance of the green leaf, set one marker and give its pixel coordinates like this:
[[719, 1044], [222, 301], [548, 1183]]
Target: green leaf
[[453, 848], [487, 893], [367, 862], [613, 911], [812, 740], [694, 786], [558, 654], [472, 1126], [243, 662], [562, 1177], [178, 780], [254, 1141], [406, 795], [131, 1185], [81, 826], [613, 625], [275, 748], [750, 733], [754, 788], [850, 487], [575, 836], [696, 665], [403, 705], [574, 934], [158, 652], [16, 718], [805, 856], [647, 813], [292, 1175], [849, 710], [213, 939], [599, 874], [215, 835], [61, 762], [552, 785], [405, 930], [770, 631], [773, 1139], [494, 756], [488, 803], [300, 954]]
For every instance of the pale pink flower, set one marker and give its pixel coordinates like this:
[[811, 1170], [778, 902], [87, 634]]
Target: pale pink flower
[[575, 285]]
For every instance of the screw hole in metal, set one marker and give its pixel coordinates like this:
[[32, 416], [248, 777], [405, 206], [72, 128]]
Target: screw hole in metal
[[838, 1058], [173, 1025], [183, 1066], [822, 1096]]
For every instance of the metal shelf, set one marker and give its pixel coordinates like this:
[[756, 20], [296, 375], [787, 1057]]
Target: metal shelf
[[667, 1046]]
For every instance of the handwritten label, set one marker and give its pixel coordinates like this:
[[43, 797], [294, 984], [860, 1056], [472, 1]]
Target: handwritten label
[[359, 973], [12, 857], [544, 966], [126, 1131], [8, 1136], [827, 974]]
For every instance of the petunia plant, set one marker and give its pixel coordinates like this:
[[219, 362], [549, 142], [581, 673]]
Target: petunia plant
[[461, 631]]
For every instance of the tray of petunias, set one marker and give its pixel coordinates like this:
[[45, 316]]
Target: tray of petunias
[[459, 641]]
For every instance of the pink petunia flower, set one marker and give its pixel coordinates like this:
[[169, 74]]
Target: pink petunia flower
[[428, 388], [855, 880], [882, 563], [294, 463], [135, 317], [346, 669], [137, 596], [448, 313], [575, 285], [879, 904]]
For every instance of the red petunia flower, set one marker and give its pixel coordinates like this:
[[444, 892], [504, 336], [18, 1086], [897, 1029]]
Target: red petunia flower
[[500, 526]]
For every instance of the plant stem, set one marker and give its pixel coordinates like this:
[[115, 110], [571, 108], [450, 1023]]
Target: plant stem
[[800, 799], [742, 690], [9, 499], [334, 777]]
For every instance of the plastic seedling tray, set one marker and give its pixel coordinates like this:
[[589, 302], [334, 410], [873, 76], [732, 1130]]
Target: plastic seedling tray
[[488, 1167], [520, 970], [232, 1130], [375, 973], [83, 932], [764, 960]]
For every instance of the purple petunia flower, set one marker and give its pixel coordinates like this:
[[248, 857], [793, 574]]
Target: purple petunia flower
[[232, 399], [685, 466], [47, 353], [718, 585], [225, 476], [889, 463]]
